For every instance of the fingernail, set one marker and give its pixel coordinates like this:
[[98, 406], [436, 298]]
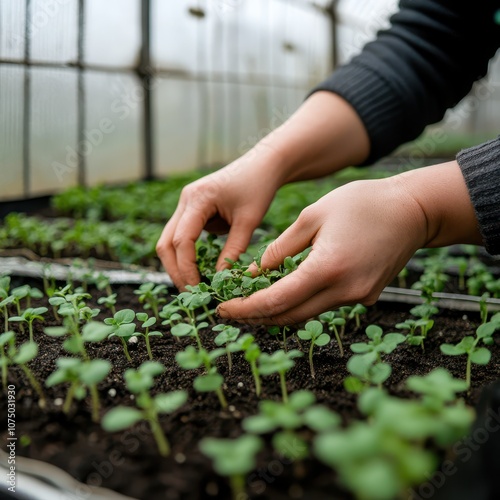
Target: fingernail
[[219, 312]]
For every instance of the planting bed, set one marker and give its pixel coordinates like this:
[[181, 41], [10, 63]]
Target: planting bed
[[129, 462], [388, 430]]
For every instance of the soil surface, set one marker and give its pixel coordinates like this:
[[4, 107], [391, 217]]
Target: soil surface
[[128, 461]]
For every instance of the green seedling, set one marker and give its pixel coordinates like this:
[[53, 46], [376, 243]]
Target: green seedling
[[152, 296], [332, 321], [411, 326], [366, 366], [227, 336], [171, 316], [252, 355], [4, 306], [462, 265], [25, 292], [28, 316], [278, 362], [94, 331], [69, 305], [207, 253], [211, 381], [252, 352], [140, 382], [81, 375], [233, 458], [483, 307], [356, 313], [148, 322], [378, 343], [123, 328], [479, 277], [189, 330], [197, 297], [469, 346], [109, 302], [424, 311], [102, 283], [299, 411], [313, 332], [388, 453], [21, 357], [5, 340], [276, 330]]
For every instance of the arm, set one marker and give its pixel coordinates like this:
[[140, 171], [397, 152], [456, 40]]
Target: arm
[[425, 63], [362, 235], [323, 136]]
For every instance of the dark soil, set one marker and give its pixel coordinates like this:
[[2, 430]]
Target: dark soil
[[128, 461]]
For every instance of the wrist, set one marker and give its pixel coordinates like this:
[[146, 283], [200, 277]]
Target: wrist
[[441, 193]]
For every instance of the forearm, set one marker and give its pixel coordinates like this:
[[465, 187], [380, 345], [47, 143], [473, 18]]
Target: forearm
[[441, 192], [323, 136]]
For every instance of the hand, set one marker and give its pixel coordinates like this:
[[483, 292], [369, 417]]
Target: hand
[[233, 199], [362, 235]]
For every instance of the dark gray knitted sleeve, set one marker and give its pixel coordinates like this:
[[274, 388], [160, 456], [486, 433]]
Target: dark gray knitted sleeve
[[481, 169], [422, 65]]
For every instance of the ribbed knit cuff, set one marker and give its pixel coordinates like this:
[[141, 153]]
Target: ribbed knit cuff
[[377, 103], [481, 169]]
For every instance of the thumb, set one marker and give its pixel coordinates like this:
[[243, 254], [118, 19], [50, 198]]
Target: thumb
[[294, 240]]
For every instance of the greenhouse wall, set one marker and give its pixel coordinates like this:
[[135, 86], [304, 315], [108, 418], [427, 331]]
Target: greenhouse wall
[[113, 91]]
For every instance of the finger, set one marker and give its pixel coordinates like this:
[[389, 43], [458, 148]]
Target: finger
[[327, 299], [186, 233], [166, 252], [290, 292], [294, 240], [237, 242]]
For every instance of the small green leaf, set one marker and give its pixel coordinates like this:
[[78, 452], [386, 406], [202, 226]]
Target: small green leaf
[[452, 350], [208, 383], [55, 331], [95, 331], [168, 403], [480, 356], [124, 316], [322, 340], [26, 353], [94, 371], [353, 385], [120, 418], [299, 400]]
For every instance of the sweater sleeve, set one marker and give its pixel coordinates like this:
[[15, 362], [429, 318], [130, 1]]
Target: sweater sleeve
[[425, 63], [480, 167]]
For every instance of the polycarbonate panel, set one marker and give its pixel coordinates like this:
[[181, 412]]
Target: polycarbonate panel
[[53, 130], [53, 31], [113, 33], [308, 50], [11, 131], [176, 43], [177, 125], [114, 124], [358, 23], [12, 32]]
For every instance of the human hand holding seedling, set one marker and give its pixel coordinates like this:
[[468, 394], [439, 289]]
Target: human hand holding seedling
[[232, 200], [362, 234], [322, 136]]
